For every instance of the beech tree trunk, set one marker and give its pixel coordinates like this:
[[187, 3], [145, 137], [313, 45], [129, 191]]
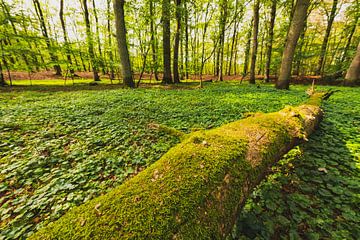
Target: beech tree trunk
[[45, 34], [353, 74], [63, 26], [177, 42], [270, 41], [154, 45], [122, 43], [247, 51], [331, 18], [111, 56], [255, 41], [166, 15], [90, 42], [297, 25]]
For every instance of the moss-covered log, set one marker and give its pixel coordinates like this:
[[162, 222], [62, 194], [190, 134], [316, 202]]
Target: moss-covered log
[[195, 190]]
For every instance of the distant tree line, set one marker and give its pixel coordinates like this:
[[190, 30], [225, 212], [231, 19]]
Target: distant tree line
[[174, 40]]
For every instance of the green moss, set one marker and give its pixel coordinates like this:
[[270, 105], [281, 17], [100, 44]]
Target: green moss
[[193, 190]]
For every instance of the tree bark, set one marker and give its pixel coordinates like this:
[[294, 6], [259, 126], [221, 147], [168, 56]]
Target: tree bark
[[177, 42], [247, 51], [223, 20], [154, 45], [90, 42], [2, 78], [331, 18], [255, 41], [100, 59], [297, 25], [270, 41], [44, 32], [353, 74], [111, 56], [122, 43], [167, 78], [63, 26]]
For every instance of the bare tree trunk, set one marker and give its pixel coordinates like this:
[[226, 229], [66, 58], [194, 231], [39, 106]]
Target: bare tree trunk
[[297, 25], [101, 59], [90, 42], [353, 74], [255, 41], [247, 51], [186, 41], [331, 18], [349, 39], [177, 42], [167, 78], [153, 40], [223, 20], [2, 78], [63, 26], [44, 32], [270, 41], [122, 43], [111, 56]]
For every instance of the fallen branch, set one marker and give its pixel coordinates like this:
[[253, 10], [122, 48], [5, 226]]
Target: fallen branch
[[196, 190]]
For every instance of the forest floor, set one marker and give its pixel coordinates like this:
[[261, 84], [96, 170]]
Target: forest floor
[[48, 78], [59, 149]]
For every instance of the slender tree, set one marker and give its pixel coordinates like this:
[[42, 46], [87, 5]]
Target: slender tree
[[154, 45], [166, 15], [255, 41], [222, 25], [297, 25], [177, 42], [330, 20], [353, 74], [270, 40], [90, 41], [122, 43], [45, 34], [109, 33], [65, 35]]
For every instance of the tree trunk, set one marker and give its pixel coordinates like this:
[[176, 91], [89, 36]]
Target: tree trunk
[[186, 41], [2, 78], [270, 41], [63, 26], [111, 56], [90, 42], [331, 18], [195, 190], [44, 32], [177, 42], [353, 74], [297, 25], [166, 14], [223, 20], [255, 41], [349, 39], [101, 59], [154, 45], [122, 43], [247, 51]]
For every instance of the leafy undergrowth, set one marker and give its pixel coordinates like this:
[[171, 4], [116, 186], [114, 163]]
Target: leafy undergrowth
[[60, 149], [314, 191]]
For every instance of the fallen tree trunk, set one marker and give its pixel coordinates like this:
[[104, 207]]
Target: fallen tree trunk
[[196, 190]]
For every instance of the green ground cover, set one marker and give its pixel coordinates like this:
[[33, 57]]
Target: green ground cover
[[60, 149], [313, 192]]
